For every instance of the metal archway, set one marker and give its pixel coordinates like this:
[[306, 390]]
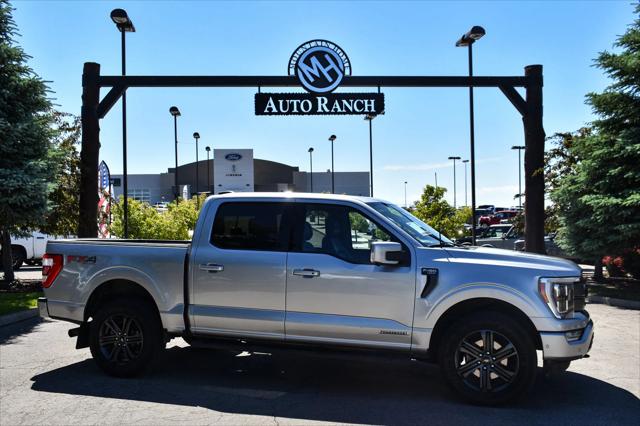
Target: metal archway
[[530, 108]]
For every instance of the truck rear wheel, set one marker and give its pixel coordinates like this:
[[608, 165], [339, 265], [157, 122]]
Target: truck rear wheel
[[488, 358], [126, 337]]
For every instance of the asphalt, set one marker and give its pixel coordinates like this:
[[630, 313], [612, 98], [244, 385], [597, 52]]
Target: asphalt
[[44, 380]]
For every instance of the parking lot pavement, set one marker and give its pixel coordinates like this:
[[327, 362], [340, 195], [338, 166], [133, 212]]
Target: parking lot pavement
[[44, 380]]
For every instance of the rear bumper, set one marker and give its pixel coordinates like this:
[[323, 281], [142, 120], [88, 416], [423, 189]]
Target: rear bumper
[[557, 346], [43, 307]]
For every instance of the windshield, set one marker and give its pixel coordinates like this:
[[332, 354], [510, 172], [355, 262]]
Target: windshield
[[420, 231]]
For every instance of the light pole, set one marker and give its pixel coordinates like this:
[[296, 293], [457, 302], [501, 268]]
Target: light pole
[[196, 136], [310, 150], [519, 148], [454, 181], [405, 195], [208, 149], [467, 40], [332, 138], [124, 25], [175, 112], [369, 118], [465, 182]]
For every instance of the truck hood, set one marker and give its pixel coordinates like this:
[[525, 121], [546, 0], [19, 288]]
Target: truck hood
[[486, 256]]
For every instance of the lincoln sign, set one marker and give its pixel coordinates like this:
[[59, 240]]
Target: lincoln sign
[[319, 66]]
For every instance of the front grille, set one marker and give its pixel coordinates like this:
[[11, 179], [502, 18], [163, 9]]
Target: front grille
[[580, 295]]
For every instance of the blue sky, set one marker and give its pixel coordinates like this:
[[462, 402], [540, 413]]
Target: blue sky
[[421, 127]]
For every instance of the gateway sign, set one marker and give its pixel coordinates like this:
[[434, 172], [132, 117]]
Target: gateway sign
[[319, 66], [309, 104]]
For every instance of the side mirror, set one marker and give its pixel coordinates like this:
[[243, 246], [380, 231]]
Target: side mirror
[[386, 253]]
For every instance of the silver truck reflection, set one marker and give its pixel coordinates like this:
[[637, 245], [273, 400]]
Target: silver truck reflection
[[272, 271]]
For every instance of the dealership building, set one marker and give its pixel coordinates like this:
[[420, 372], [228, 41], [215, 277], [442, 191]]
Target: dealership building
[[236, 170]]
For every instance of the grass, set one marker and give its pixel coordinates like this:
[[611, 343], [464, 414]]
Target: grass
[[14, 302]]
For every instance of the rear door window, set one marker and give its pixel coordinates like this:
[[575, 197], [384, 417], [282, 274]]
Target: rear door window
[[251, 226]]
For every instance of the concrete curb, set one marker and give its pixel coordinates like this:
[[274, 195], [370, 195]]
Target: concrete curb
[[612, 301], [18, 316]]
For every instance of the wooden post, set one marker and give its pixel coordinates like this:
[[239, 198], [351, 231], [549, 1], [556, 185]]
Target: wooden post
[[534, 162], [88, 224]]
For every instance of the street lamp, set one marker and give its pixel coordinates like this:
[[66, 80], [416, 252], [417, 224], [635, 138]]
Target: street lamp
[[465, 182], [369, 118], [467, 40], [405, 195], [519, 148], [208, 149], [124, 25], [196, 136], [310, 151], [454, 181], [175, 112], [332, 138]]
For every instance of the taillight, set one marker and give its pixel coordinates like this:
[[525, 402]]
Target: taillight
[[51, 267]]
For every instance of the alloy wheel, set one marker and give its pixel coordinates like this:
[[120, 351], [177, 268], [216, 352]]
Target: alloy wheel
[[487, 361], [120, 338]]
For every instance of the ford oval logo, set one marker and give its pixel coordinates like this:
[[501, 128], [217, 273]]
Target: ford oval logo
[[233, 156]]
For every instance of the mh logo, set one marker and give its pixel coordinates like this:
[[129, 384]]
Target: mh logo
[[319, 65]]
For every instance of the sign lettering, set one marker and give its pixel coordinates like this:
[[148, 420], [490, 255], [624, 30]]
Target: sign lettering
[[310, 104]]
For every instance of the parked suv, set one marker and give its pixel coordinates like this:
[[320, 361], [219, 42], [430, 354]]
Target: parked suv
[[272, 271]]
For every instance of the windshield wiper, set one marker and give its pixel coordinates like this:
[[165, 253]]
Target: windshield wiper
[[441, 243]]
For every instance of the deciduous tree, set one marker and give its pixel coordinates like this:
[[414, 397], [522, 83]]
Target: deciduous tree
[[62, 215]]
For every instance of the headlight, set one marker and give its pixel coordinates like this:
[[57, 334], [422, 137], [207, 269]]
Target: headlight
[[558, 294]]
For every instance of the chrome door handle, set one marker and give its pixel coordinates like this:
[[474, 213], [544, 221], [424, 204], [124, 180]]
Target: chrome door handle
[[309, 273], [211, 267]]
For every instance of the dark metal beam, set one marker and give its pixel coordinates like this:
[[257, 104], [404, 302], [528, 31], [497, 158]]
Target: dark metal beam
[[89, 154], [516, 100], [110, 100], [534, 164], [289, 81]]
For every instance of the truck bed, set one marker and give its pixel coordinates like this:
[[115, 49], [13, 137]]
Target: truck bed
[[158, 266]]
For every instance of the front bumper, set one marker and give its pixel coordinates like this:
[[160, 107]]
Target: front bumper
[[43, 307], [557, 346]]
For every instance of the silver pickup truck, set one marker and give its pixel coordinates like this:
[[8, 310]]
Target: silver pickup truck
[[274, 271]]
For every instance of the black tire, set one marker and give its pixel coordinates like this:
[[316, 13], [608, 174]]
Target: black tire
[[131, 336], [509, 370], [17, 257]]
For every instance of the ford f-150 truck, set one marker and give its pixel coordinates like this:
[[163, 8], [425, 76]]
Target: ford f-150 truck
[[310, 271]]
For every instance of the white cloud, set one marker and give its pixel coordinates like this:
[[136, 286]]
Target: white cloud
[[432, 166], [503, 189]]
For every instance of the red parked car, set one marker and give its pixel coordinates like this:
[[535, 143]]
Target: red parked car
[[505, 216]]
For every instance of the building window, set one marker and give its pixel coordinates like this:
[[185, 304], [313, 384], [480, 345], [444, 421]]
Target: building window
[[141, 194]]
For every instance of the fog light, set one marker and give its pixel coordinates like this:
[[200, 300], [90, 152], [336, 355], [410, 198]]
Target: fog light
[[573, 335]]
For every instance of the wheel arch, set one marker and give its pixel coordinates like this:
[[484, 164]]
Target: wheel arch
[[118, 288], [465, 307]]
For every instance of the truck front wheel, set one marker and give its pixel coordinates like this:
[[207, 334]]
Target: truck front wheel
[[488, 358], [125, 338]]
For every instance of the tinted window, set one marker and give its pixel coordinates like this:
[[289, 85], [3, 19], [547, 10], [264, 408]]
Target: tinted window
[[250, 226], [339, 231]]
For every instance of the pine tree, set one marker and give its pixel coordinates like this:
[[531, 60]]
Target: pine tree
[[599, 197], [24, 140]]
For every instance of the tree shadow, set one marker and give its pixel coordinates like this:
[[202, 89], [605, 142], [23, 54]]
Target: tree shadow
[[9, 333], [334, 390]]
